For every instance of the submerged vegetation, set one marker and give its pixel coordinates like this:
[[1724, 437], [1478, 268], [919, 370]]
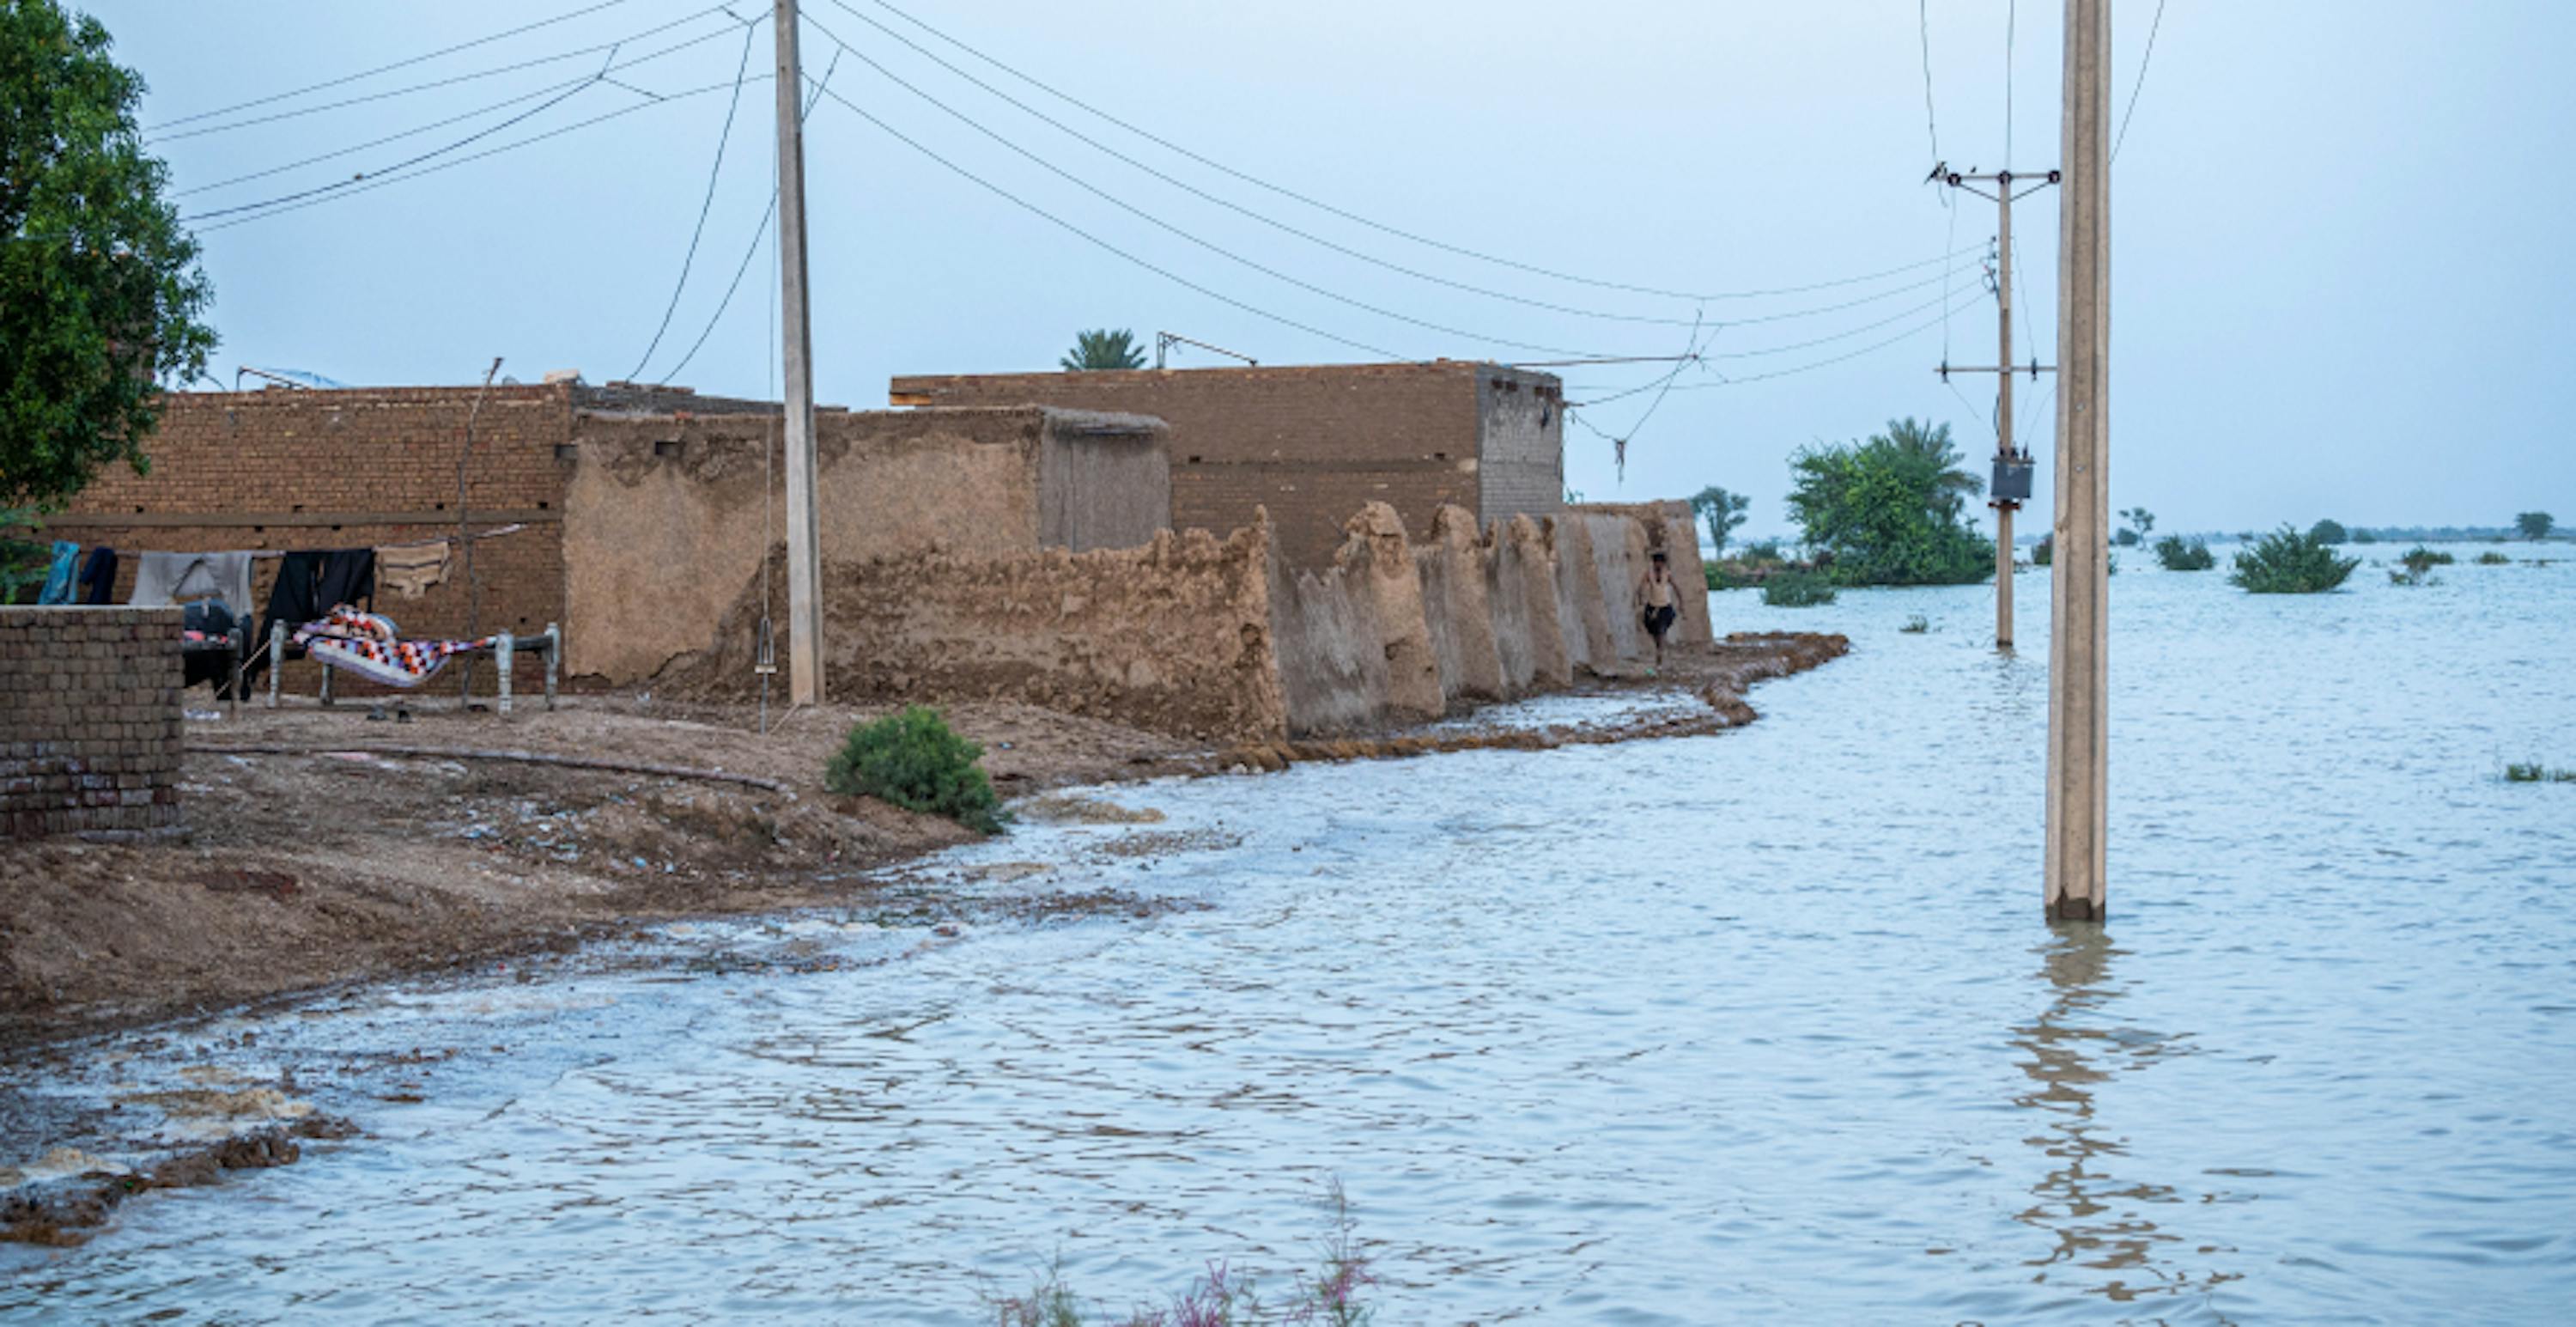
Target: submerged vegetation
[[2178, 554], [2288, 562], [1797, 589], [2492, 558], [1332, 1295], [2534, 772], [913, 759]]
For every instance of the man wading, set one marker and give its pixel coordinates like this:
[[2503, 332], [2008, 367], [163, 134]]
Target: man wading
[[1661, 602]]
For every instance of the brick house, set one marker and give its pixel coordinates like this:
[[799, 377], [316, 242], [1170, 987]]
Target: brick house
[[1315, 443]]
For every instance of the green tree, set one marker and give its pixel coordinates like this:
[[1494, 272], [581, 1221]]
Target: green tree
[[1721, 511], [100, 292], [2141, 523], [1104, 349], [1891, 510], [2535, 524], [2328, 532]]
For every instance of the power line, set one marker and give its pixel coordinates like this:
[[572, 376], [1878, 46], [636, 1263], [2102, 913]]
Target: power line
[[1355, 218], [1932, 127], [563, 92], [386, 69], [2141, 84], [758, 234], [628, 40], [2012, 21], [715, 171], [1166, 273], [380, 181], [1158, 222]]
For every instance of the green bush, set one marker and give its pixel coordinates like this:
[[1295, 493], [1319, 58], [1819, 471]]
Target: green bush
[[2288, 562], [1713, 574], [2535, 772], [2044, 552], [1797, 589], [1891, 509], [2177, 555], [2419, 559], [2328, 532], [1766, 551], [2492, 558], [914, 760]]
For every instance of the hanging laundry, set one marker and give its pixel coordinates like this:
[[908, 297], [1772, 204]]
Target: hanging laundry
[[58, 576], [410, 569], [98, 577], [162, 579], [309, 585], [366, 644]]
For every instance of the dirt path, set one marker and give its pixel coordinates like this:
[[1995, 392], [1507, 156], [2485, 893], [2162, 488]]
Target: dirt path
[[303, 870]]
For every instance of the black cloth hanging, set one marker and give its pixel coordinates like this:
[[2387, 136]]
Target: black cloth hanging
[[98, 577], [309, 585]]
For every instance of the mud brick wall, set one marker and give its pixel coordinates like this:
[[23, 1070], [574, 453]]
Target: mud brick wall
[[90, 733], [312, 470], [1313, 444], [1173, 636]]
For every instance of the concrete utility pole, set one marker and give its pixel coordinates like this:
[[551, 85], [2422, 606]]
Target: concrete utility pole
[[804, 542], [2079, 588], [2011, 486]]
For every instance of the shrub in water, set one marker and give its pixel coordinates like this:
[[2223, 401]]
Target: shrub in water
[[2288, 562], [2177, 555], [2420, 558], [2492, 558], [1797, 589], [1916, 625], [914, 760], [2044, 552], [1713, 574], [2535, 772]]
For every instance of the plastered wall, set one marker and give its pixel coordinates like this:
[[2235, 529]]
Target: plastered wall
[[665, 515]]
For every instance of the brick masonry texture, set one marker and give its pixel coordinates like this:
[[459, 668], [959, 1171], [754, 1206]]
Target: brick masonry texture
[[1313, 444], [90, 725]]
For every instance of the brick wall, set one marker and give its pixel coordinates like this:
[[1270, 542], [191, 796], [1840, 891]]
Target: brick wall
[[286, 470], [89, 721], [1312, 444]]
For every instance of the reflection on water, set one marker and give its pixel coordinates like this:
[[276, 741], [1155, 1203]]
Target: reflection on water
[[1754, 1027], [2098, 1218]]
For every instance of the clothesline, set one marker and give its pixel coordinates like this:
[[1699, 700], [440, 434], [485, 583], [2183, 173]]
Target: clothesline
[[265, 553]]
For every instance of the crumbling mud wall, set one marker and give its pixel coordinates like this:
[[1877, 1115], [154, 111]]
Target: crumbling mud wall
[[1174, 636], [1378, 560], [1520, 589], [1583, 617], [1669, 529], [666, 515], [1456, 611], [1618, 547], [1332, 659]]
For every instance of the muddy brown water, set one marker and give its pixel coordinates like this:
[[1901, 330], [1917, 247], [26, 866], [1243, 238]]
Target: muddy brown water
[[1757, 1026]]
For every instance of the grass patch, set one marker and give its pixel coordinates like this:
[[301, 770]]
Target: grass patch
[[2535, 772], [2288, 562], [2175, 553], [914, 760], [1797, 589]]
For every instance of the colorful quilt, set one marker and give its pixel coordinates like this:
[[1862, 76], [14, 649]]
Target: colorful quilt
[[368, 645]]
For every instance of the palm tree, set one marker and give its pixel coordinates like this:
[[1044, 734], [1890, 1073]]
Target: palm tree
[[1924, 450], [1104, 349]]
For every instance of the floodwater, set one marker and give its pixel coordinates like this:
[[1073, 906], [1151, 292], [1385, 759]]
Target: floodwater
[[1756, 1027]]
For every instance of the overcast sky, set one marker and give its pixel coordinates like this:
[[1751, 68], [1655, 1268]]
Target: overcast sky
[[2341, 279]]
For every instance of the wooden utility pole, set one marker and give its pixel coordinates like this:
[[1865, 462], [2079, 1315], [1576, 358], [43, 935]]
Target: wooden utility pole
[[804, 543], [2011, 486], [2079, 587]]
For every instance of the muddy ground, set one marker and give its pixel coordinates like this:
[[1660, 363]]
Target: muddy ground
[[315, 855]]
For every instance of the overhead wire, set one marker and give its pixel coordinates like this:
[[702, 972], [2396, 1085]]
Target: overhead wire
[[364, 180], [1931, 124], [1696, 297], [380, 181], [2141, 84], [558, 58], [715, 172], [1147, 264], [346, 79], [759, 233], [1158, 222]]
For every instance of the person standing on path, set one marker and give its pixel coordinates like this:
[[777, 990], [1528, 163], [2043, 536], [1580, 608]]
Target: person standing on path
[[1660, 601]]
